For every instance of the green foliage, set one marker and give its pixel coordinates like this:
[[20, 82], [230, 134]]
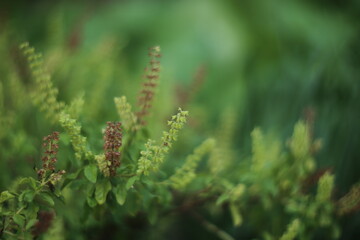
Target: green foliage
[[264, 192]]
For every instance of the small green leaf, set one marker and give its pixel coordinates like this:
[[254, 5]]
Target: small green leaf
[[120, 194], [5, 195], [19, 220], [101, 191], [91, 172], [45, 199], [131, 182], [31, 223]]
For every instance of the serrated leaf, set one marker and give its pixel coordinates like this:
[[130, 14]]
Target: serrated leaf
[[5, 195], [101, 191], [31, 223], [90, 172], [19, 220], [120, 194], [131, 182]]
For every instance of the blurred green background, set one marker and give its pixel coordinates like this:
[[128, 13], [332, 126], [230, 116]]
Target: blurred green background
[[272, 62]]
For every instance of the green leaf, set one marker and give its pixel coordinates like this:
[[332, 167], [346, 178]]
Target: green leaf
[[120, 193], [27, 196], [131, 182], [5, 195], [24, 182], [19, 220], [65, 138], [91, 172], [73, 175], [91, 202], [101, 191], [222, 198], [45, 199], [153, 214], [235, 213], [31, 223], [78, 184]]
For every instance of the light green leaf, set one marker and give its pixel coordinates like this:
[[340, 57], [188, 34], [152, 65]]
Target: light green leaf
[[224, 197], [101, 191], [120, 194], [235, 213], [5, 195], [91, 172]]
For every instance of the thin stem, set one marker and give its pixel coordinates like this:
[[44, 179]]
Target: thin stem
[[211, 227]]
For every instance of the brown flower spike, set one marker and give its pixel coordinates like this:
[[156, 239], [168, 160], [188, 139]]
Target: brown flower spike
[[51, 147], [112, 143], [147, 93]]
